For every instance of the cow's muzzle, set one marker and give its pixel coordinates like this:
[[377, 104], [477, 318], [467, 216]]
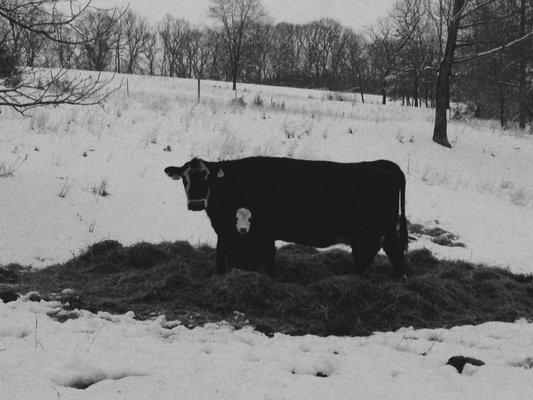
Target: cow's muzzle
[[197, 205], [243, 231]]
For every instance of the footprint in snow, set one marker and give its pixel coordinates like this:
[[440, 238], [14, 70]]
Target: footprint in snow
[[82, 375]]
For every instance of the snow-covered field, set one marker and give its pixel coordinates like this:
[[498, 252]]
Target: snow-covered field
[[116, 357], [54, 162]]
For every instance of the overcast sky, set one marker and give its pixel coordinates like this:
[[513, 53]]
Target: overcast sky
[[354, 13]]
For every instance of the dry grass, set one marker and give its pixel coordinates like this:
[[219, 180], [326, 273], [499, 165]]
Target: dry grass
[[101, 189], [8, 170], [64, 189], [313, 292]]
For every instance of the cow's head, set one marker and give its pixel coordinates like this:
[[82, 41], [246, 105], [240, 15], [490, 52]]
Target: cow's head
[[243, 218], [197, 179]]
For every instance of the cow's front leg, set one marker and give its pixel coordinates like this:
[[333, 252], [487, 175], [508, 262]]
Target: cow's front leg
[[222, 258], [267, 254]]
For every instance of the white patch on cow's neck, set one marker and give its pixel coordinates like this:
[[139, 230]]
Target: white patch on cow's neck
[[244, 220]]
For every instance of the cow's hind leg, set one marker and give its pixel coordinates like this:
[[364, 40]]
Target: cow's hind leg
[[364, 250], [394, 250]]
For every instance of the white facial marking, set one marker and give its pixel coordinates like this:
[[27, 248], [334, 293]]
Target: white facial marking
[[186, 181], [244, 220], [204, 168], [220, 174]]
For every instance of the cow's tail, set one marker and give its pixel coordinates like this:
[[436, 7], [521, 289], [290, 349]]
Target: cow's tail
[[404, 240]]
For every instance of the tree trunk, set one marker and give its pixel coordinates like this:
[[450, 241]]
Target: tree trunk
[[503, 121], [234, 74], [522, 85], [442, 90], [117, 55], [384, 93], [440, 134], [415, 91], [362, 90], [198, 90]]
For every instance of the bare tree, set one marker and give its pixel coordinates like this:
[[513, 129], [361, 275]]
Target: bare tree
[[256, 50], [25, 87], [150, 50], [357, 61], [415, 73], [328, 44], [237, 17], [97, 32], [522, 60], [465, 15], [31, 44], [218, 65], [390, 36], [117, 39], [175, 35], [63, 53], [285, 56], [199, 53], [384, 51], [309, 43], [136, 36]]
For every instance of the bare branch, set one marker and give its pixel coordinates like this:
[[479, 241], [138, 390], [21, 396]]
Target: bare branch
[[60, 87], [486, 22], [495, 49]]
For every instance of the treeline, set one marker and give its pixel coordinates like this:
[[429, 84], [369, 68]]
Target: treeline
[[398, 57]]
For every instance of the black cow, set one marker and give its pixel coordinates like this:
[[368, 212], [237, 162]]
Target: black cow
[[316, 203]]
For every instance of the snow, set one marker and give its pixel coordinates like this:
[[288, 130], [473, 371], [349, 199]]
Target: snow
[[99, 356], [52, 161]]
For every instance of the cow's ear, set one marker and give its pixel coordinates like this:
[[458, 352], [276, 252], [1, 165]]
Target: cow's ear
[[220, 173], [173, 172]]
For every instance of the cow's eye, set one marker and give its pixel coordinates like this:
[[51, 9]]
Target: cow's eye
[[250, 219]]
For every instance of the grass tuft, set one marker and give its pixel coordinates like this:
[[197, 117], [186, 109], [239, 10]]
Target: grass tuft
[[101, 189], [258, 100]]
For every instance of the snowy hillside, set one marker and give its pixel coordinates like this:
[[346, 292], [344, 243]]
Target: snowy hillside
[[72, 177], [116, 357], [56, 161]]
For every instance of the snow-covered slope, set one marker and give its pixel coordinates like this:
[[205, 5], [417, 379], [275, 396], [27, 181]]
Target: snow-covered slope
[[53, 160], [111, 357]]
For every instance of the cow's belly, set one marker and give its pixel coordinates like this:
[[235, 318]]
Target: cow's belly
[[315, 240], [313, 231]]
